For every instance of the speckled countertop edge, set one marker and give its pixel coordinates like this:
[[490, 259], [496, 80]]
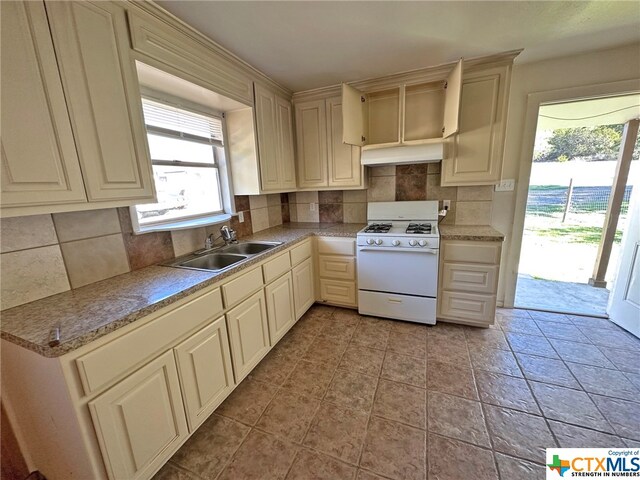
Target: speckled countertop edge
[[482, 233], [93, 311]]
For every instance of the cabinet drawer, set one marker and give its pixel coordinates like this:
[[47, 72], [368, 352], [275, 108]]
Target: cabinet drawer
[[468, 307], [276, 267], [343, 268], [106, 364], [336, 246], [471, 252], [242, 287], [338, 292], [469, 277], [301, 252]]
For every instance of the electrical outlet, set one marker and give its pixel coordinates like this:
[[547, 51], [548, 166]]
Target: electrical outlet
[[241, 217], [446, 204], [312, 207], [507, 185]]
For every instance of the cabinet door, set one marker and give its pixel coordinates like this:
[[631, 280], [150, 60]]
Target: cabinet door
[[452, 97], [474, 156], [280, 310], [140, 421], [303, 287], [204, 365], [39, 158], [286, 158], [343, 160], [98, 74], [311, 136], [267, 138], [248, 334], [355, 116]]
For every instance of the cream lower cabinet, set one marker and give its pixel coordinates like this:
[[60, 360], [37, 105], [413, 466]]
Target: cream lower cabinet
[[206, 374], [248, 334], [140, 419], [280, 307], [468, 282], [303, 287], [337, 272]]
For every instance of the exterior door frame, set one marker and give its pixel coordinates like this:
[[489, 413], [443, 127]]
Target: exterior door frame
[[534, 101]]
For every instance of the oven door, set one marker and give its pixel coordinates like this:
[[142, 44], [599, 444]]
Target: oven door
[[408, 271]]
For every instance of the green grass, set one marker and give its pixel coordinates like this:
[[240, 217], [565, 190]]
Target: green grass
[[574, 234]]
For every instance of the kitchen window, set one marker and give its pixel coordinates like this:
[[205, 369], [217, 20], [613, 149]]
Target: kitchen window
[[187, 153]]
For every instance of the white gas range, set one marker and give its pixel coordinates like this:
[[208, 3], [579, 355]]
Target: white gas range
[[398, 261]]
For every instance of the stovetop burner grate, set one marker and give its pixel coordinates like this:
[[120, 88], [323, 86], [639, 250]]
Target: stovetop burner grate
[[378, 228], [419, 228]]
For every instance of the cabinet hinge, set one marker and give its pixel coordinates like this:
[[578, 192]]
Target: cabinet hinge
[[446, 84], [364, 139], [362, 99], [442, 129]]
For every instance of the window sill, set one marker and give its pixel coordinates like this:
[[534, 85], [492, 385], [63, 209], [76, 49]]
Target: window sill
[[182, 224]]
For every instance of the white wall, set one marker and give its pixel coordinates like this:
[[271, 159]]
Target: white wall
[[597, 67]]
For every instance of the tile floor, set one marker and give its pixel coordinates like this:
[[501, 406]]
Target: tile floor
[[343, 396]]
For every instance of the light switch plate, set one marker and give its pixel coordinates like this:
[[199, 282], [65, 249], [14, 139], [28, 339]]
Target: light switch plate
[[507, 185]]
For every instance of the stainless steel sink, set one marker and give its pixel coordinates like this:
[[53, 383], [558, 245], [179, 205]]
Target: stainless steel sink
[[249, 248], [224, 257], [213, 261]]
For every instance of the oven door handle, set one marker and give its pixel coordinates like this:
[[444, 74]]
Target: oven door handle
[[432, 251]]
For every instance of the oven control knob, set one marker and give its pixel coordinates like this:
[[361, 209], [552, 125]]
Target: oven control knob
[[370, 241], [423, 243], [396, 243], [378, 241], [413, 243]]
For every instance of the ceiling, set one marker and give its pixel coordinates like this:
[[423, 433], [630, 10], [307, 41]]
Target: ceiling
[[589, 113], [308, 44]]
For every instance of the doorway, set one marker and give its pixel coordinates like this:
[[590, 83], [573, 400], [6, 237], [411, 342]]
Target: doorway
[[577, 204]]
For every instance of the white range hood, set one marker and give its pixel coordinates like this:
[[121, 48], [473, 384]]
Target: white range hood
[[402, 154]]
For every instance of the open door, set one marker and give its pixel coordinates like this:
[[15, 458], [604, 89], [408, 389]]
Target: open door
[[452, 96], [355, 113], [624, 302]]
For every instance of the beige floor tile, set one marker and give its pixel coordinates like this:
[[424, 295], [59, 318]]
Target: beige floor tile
[[248, 401], [404, 369], [326, 351], [443, 349], [492, 360], [580, 353], [311, 465], [625, 360], [458, 418], [624, 416], [531, 344], [605, 381], [261, 457], [513, 312], [338, 431], [346, 316], [311, 379], [364, 475], [394, 450], [453, 460], [211, 446], [516, 468], [612, 338], [362, 359], [571, 436], [568, 405], [274, 368], [371, 335], [563, 331], [526, 325], [407, 344], [173, 472], [592, 322], [309, 325], [415, 329], [352, 389], [506, 391], [519, 434], [317, 310], [288, 415], [547, 370], [634, 378], [486, 338], [402, 403], [447, 331], [451, 379], [338, 328], [294, 344], [549, 316]]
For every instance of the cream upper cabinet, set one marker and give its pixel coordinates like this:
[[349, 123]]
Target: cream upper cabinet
[[275, 140], [311, 138], [101, 85], [324, 161], [403, 114], [140, 421], [39, 158], [474, 155]]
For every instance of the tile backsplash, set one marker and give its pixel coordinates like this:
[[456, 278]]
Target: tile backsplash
[[42, 255]]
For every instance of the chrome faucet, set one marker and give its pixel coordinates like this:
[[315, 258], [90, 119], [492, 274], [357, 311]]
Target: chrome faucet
[[228, 235]]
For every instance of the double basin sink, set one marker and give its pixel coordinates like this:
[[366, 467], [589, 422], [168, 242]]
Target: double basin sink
[[222, 258]]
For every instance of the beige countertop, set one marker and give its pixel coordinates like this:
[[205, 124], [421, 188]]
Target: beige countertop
[[481, 233], [92, 311]]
